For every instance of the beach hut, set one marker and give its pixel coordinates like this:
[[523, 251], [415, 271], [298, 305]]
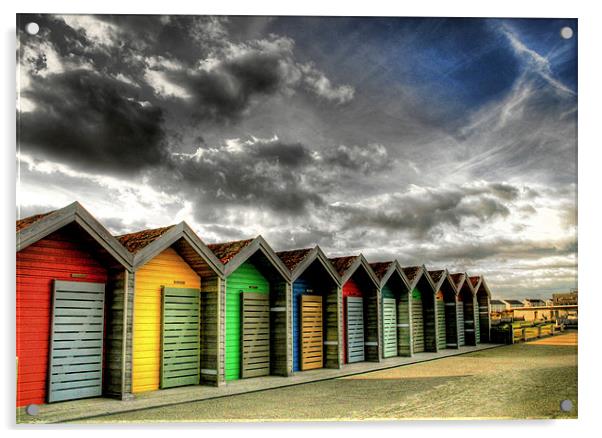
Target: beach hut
[[177, 285], [424, 327], [467, 316], [316, 304], [475, 282], [361, 301], [395, 309], [483, 298], [257, 310], [446, 308], [70, 277]]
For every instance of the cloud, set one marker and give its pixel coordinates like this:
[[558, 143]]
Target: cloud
[[257, 172], [92, 121], [422, 210], [364, 159], [319, 84]]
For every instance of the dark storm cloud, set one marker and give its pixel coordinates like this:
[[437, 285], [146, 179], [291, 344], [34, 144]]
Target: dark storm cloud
[[257, 173], [225, 92], [287, 178], [421, 212], [92, 121]]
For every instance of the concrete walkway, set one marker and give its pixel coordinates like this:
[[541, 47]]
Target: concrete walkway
[[95, 407]]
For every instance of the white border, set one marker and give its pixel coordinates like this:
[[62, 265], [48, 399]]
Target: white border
[[590, 75]]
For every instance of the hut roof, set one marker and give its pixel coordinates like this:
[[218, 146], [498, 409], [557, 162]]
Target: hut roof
[[342, 264], [436, 275], [411, 272], [474, 280], [514, 302], [226, 251], [294, 257], [134, 242], [457, 278], [27, 221], [380, 268], [497, 302]]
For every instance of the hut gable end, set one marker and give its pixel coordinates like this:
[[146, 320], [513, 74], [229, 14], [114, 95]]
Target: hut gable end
[[381, 268]]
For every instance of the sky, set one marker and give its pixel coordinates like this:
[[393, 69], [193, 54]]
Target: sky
[[445, 142]]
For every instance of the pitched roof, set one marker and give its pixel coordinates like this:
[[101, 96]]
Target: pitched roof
[[226, 251], [474, 280], [134, 242], [514, 302], [411, 272], [497, 302], [457, 278], [380, 268], [27, 221], [342, 264], [436, 275], [294, 257]]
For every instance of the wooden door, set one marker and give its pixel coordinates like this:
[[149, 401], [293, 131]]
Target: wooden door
[[180, 337], [355, 329], [417, 321], [255, 335], [312, 337], [76, 341], [389, 327]]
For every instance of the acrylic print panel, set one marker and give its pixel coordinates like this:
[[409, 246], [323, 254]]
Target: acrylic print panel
[[211, 155]]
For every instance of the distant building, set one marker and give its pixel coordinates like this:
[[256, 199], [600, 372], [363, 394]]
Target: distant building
[[534, 302], [498, 306], [514, 303], [565, 299]]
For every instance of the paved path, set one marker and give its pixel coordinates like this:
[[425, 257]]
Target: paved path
[[93, 407], [518, 381]]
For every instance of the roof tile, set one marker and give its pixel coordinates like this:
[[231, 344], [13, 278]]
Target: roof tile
[[226, 251], [458, 278], [27, 221], [294, 257], [380, 268], [436, 275], [411, 272], [474, 280], [134, 242], [342, 264]]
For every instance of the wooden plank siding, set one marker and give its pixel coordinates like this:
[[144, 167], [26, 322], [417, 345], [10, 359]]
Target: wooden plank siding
[[166, 269], [333, 328], [213, 292], [441, 322], [484, 316], [477, 324], [460, 322], [118, 355], [56, 257]]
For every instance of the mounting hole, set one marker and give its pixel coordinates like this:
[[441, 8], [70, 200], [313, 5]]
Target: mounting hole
[[32, 410], [566, 33], [566, 405], [32, 28]]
